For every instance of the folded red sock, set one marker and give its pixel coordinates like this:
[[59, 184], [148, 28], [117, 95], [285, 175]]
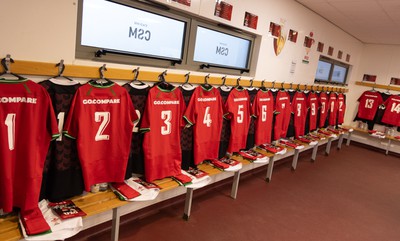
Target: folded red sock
[[34, 222], [125, 190], [182, 178]]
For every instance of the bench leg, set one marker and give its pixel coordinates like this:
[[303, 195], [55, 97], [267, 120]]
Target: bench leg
[[328, 147], [270, 169], [339, 146], [115, 224], [348, 139], [314, 153], [235, 184], [188, 203], [295, 158], [388, 146]]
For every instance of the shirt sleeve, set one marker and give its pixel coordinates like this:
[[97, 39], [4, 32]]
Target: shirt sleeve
[[254, 109], [145, 122], [191, 113], [71, 126], [52, 124]]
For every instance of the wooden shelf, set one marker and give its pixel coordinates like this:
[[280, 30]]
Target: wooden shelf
[[378, 86], [78, 71]]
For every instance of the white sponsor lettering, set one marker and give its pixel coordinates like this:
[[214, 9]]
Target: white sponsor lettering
[[166, 102], [373, 96], [100, 101], [239, 99], [28, 100], [264, 99], [207, 99]]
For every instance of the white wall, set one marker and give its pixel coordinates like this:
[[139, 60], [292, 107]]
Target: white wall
[[46, 31]]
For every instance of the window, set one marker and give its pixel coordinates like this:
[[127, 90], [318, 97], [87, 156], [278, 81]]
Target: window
[[331, 71], [152, 34]]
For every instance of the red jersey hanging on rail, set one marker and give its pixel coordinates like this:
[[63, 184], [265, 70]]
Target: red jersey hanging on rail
[[205, 113], [323, 105], [282, 118], [333, 108], [238, 107], [27, 124], [392, 111], [341, 108], [101, 120], [313, 105], [263, 110], [162, 123], [299, 109], [369, 103]]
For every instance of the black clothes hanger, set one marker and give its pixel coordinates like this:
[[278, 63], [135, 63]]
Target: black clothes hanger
[[162, 83], [223, 81], [61, 68], [251, 83], [6, 63], [206, 85], [187, 76], [373, 88], [135, 77], [298, 87], [263, 86], [388, 90], [282, 86], [238, 86], [103, 81]]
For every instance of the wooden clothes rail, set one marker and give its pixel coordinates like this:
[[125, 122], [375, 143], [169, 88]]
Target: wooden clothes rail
[[379, 86], [22, 67]]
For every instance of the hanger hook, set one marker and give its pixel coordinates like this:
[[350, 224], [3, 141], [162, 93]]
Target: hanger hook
[[61, 67], [206, 78], [298, 87], [187, 76], [291, 85], [305, 87], [135, 73], [161, 77], [262, 83], [238, 81], [101, 70], [223, 79], [6, 63], [273, 84], [251, 82], [282, 85]]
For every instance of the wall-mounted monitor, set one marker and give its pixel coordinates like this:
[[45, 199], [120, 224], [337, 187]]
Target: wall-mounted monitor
[[221, 49], [117, 27], [339, 74], [323, 71]]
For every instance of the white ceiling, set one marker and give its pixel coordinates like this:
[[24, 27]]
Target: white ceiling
[[370, 21]]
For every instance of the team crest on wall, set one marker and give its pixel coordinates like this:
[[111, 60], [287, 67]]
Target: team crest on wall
[[277, 32]]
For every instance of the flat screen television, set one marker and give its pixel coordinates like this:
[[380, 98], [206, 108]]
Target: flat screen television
[[339, 74], [323, 71], [117, 27], [221, 49]]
